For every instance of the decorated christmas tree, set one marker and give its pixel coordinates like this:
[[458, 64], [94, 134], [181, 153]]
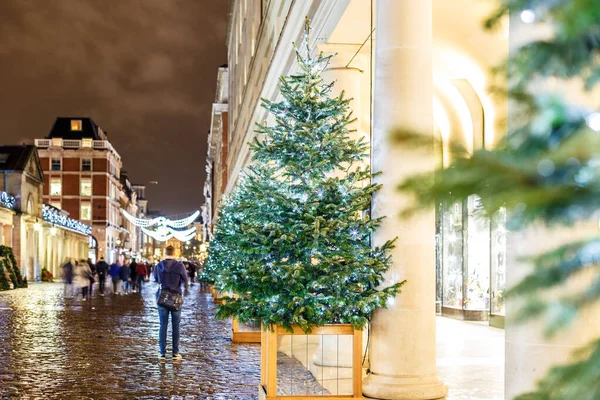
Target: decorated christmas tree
[[546, 171], [292, 241]]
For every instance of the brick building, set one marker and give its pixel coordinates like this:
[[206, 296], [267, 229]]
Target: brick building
[[82, 172]]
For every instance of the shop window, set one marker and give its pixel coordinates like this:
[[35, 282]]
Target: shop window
[[452, 255], [86, 164], [85, 213], [86, 186], [498, 257], [55, 187], [56, 164], [56, 204], [76, 125]]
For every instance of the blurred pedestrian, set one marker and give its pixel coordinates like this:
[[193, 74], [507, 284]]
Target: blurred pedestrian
[[68, 271], [170, 274], [92, 276], [133, 274], [192, 272], [101, 270], [150, 268], [125, 275], [141, 272], [115, 275], [81, 279]]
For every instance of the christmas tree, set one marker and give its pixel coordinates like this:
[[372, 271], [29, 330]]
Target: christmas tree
[[293, 238], [546, 170]]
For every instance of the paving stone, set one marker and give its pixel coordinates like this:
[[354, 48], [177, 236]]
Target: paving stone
[[107, 348]]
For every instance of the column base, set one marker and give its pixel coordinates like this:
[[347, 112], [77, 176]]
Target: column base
[[424, 387]]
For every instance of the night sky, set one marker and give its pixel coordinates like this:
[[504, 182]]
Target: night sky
[[144, 70]]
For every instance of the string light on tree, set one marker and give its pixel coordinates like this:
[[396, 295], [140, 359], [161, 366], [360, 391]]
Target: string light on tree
[[527, 16], [593, 121]]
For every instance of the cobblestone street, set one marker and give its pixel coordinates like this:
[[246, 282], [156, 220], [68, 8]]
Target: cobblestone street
[[106, 348]]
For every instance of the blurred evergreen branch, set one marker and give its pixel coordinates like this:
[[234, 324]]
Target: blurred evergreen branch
[[546, 170]]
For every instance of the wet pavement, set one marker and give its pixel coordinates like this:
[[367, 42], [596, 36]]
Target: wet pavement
[[106, 348]]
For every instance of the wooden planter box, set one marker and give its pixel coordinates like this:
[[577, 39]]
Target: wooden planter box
[[284, 384], [217, 297], [243, 336]]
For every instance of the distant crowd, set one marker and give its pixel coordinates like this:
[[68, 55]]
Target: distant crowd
[[127, 276]]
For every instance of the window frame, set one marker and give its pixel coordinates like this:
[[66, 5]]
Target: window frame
[[81, 182], [88, 206], [53, 182], [90, 166], [52, 160], [77, 123]]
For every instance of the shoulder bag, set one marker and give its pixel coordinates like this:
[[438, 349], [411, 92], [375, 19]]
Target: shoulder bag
[[167, 298]]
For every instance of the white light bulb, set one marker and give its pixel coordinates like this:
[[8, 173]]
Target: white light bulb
[[527, 16], [593, 121]]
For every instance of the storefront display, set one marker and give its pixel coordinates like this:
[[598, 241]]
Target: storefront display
[[470, 253], [498, 267]]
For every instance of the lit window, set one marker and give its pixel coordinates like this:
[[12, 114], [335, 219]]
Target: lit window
[[86, 142], [56, 164], [76, 125], [55, 187], [56, 204], [86, 186], [86, 164], [86, 212]]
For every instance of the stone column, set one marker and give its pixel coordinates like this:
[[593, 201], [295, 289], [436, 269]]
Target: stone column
[[2, 235], [529, 354], [347, 76], [402, 352], [8, 235]]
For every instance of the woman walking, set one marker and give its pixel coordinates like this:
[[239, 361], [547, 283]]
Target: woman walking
[[82, 278]]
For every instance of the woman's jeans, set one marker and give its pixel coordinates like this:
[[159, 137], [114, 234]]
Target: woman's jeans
[[115, 282], [163, 315]]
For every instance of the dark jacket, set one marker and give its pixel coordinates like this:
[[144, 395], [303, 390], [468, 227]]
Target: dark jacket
[[132, 270], [68, 272], [125, 272], [171, 274], [101, 268], [115, 270]]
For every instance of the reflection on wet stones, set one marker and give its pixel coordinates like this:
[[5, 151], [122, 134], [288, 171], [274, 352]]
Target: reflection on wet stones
[[57, 348]]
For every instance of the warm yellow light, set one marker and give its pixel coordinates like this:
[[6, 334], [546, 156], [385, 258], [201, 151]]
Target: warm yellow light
[[76, 125], [443, 124], [53, 231], [37, 226], [458, 65], [460, 105]]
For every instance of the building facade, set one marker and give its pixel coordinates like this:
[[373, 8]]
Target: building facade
[[39, 238], [130, 233], [218, 151], [82, 171], [422, 66]]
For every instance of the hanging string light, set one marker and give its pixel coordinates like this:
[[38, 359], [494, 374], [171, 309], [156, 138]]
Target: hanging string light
[[161, 221], [163, 233]]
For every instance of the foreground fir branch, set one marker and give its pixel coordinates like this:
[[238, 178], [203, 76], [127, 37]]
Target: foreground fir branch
[[293, 239], [547, 170]]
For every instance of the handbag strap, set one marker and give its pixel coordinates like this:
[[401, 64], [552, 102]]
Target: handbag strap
[[160, 269]]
